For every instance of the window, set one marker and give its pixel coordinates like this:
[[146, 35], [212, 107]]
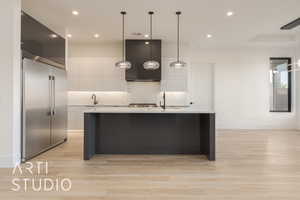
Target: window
[[281, 83]]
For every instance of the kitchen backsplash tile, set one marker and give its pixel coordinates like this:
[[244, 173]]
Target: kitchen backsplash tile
[[143, 92], [104, 98]]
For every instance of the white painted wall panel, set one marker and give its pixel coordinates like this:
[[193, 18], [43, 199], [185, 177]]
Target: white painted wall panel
[[242, 90], [173, 80], [297, 75], [201, 85], [95, 74], [10, 76]]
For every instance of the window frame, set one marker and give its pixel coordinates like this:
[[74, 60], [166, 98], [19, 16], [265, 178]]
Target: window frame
[[289, 59]]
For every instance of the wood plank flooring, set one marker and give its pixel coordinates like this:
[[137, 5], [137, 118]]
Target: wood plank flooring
[[250, 165]]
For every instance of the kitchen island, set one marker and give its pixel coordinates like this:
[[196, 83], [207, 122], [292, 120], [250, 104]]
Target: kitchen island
[[124, 130]]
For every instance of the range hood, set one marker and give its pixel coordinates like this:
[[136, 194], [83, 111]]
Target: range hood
[[138, 52]]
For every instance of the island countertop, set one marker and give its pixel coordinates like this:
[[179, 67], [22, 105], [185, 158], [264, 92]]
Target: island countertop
[[146, 110]]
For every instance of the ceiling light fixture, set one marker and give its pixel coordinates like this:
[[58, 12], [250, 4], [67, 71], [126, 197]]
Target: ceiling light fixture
[[146, 35], [209, 36], [123, 64], [178, 63], [69, 35], [230, 13], [96, 35], [75, 12], [151, 64]]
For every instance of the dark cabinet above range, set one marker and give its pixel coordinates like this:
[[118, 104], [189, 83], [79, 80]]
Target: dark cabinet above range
[[138, 52]]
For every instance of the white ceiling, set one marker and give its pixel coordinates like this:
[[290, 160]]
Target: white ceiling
[[253, 19]]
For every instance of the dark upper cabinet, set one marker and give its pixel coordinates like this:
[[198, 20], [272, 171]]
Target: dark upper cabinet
[[138, 52], [38, 40]]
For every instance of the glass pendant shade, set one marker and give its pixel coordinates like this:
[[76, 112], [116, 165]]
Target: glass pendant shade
[[123, 64], [151, 65], [178, 64]]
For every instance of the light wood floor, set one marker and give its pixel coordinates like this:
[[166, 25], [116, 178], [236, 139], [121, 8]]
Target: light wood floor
[[250, 165]]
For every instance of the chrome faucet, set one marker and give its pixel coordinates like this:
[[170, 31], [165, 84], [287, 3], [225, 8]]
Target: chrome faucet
[[94, 98], [163, 106]]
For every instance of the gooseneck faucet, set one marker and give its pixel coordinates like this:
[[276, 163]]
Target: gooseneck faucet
[[163, 106], [94, 98]]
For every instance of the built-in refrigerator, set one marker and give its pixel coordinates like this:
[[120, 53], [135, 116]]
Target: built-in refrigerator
[[44, 107]]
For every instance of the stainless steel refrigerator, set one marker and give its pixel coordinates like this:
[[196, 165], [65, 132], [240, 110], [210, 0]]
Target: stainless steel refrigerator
[[44, 107]]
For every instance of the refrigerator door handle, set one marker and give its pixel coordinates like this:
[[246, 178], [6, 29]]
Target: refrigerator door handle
[[53, 96], [50, 95]]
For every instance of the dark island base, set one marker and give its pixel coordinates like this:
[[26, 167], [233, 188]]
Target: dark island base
[[149, 133]]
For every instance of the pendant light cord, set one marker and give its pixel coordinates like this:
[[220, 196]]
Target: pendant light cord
[[123, 64], [123, 37], [178, 13], [151, 13]]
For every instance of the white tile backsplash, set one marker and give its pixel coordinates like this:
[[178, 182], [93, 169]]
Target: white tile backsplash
[[136, 94], [175, 98], [104, 98], [143, 92]]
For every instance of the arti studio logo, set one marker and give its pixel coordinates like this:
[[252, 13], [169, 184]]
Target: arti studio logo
[[34, 176]]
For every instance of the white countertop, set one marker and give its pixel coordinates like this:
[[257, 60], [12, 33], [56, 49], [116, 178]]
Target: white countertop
[[146, 110]]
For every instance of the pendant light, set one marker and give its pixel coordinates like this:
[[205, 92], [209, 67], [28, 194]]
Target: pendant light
[[151, 64], [123, 64], [178, 63]]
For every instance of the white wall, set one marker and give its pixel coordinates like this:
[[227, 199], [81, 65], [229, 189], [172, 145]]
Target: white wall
[[238, 83], [10, 15], [298, 99], [242, 90], [297, 58]]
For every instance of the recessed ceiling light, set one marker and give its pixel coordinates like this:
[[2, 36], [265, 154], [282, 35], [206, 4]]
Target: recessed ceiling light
[[209, 36], [75, 12], [53, 36], [69, 35], [96, 35], [146, 35], [229, 13]]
